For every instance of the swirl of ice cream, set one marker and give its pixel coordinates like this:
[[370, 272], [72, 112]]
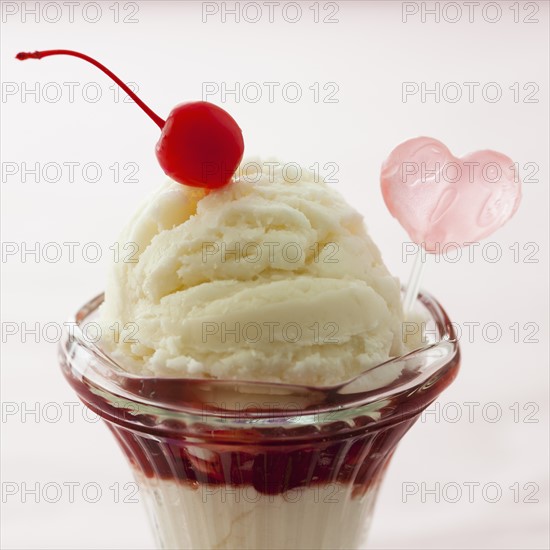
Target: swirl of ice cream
[[266, 279]]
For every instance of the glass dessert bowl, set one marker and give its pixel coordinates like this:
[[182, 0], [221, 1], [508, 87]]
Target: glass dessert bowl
[[236, 464]]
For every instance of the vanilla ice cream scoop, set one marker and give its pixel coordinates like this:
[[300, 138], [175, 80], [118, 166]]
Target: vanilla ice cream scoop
[[265, 279]]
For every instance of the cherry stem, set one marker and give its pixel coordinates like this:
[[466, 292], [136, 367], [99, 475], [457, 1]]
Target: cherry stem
[[46, 53]]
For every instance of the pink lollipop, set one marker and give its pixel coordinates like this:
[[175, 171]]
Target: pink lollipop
[[442, 200]]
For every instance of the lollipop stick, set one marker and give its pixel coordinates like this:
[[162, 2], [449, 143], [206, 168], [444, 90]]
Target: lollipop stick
[[414, 283]]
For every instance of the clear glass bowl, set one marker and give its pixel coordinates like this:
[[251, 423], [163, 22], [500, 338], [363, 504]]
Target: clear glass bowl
[[251, 465]]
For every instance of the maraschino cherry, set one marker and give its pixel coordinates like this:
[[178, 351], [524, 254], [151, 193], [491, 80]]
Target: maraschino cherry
[[200, 144]]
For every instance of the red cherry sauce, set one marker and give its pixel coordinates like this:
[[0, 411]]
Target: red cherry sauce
[[273, 460]]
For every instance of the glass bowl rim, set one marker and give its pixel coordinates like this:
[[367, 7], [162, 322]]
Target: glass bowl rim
[[86, 365]]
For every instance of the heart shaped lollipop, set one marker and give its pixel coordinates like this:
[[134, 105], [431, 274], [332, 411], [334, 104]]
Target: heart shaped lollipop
[[443, 200]]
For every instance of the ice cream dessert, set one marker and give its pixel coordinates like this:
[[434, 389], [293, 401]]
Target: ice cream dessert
[[266, 279], [252, 365]]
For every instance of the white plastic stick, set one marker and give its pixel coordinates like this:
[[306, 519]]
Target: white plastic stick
[[414, 284]]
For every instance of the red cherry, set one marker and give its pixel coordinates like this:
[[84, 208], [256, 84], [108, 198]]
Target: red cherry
[[200, 145]]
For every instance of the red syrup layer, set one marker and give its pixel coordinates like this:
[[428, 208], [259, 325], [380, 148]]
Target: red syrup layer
[[272, 459]]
